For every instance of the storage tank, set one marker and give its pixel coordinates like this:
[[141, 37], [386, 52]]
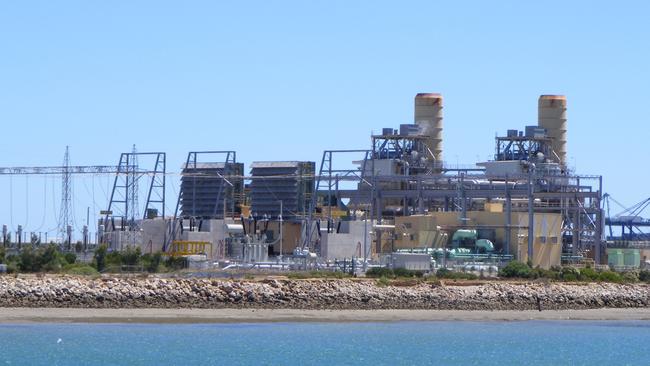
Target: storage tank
[[632, 258], [551, 115], [615, 258], [428, 116]]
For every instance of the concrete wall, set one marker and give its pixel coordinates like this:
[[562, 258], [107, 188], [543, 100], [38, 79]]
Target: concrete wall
[[347, 243], [153, 234], [417, 231]]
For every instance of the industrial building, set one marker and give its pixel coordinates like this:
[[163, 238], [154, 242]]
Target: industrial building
[[524, 204], [526, 199], [211, 189]]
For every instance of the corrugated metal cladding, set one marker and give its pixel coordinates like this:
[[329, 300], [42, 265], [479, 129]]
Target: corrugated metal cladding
[[291, 182], [203, 191]]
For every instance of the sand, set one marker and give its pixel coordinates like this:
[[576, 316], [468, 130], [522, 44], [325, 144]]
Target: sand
[[75, 315]]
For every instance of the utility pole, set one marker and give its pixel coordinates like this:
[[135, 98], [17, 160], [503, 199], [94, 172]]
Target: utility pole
[[281, 212], [531, 211], [365, 241]]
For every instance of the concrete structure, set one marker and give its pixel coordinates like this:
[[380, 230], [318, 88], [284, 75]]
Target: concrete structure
[[418, 231], [552, 117], [348, 242], [151, 235]]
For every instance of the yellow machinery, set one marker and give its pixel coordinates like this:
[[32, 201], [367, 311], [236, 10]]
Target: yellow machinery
[[181, 248]]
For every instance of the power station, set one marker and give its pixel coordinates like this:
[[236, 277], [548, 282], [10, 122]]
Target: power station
[[400, 203]]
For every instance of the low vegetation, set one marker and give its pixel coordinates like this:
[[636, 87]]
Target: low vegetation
[[50, 259], [521, 270], [445, 273], [379, 272], [317, 274]]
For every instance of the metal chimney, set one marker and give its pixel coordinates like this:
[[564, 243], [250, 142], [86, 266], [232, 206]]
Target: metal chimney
[[428, 116], [552, 116]]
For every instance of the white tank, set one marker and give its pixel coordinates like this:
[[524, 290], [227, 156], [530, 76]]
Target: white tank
[[552, 116], [428, 116]]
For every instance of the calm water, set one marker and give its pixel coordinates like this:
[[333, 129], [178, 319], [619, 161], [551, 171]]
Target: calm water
[[407, 343]]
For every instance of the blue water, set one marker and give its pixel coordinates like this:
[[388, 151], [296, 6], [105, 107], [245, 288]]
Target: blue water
[[405, 343]]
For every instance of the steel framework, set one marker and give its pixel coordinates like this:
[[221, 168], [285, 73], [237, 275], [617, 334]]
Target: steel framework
[[577, 202], [128, 175]]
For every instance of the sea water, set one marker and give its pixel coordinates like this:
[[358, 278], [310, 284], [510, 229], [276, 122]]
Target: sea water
[[399, 343]]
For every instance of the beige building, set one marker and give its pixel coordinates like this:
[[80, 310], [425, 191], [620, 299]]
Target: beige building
[[435, 229]]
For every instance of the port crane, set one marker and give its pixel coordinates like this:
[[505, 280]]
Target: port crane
[[629, 220]]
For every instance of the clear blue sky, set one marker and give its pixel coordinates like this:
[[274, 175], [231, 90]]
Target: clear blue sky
[[286, 80]]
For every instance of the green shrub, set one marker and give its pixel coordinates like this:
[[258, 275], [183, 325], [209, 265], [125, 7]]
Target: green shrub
[[13, 263], [550, 274], [176, 263], [569, 277], [515, 269], [403, 272], [29, 261], [588, 274], [610, 276], [377, 272], [644, 275], [383, 281], [443, 272], [152, 262], [12, 267], [453, 275], [570, 274], [3, 252], [99, 258], [131, 256], [55, 264], [70, 258], [630, 276], [113, 259]]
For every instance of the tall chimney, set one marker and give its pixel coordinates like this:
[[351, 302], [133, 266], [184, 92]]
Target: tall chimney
[[551, 111], [428, 116]]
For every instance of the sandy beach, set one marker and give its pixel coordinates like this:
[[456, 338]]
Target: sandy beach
[[70, 315]]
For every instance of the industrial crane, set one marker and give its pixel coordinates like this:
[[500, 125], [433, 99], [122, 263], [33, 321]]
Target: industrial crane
[[629, 220]]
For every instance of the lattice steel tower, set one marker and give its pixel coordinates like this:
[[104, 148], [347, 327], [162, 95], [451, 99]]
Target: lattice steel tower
[[133, 178], [65, 215]]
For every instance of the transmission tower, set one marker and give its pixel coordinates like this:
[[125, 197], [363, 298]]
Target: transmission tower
[[133, 185], [65, 215]]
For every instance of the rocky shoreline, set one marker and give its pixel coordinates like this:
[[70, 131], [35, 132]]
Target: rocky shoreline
[[324, 294]]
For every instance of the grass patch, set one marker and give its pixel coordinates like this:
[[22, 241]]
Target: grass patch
[[79, 269], [383, 281]]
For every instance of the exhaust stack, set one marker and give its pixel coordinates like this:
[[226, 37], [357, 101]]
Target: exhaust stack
[[552, 116], [428, 116]]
